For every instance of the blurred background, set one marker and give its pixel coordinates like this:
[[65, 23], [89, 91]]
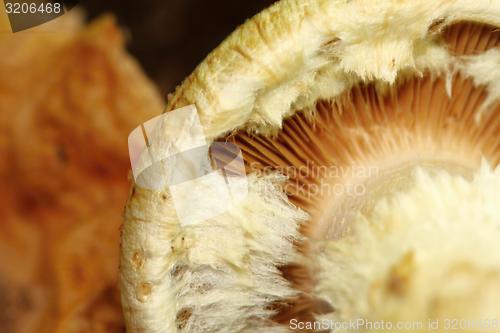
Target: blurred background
[[71, 91], [170, 37]]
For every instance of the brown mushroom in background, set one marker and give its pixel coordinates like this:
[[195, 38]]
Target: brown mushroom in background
[[71, 97]]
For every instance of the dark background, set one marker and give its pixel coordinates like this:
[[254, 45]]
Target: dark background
[[170, 37]]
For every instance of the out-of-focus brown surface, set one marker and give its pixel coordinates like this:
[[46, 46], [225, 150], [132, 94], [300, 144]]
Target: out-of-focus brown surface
[[68, 100]]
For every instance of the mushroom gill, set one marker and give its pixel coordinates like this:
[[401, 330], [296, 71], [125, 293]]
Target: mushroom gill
[[369, 131]]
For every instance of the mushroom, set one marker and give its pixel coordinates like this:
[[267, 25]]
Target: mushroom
[[369, 132]]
